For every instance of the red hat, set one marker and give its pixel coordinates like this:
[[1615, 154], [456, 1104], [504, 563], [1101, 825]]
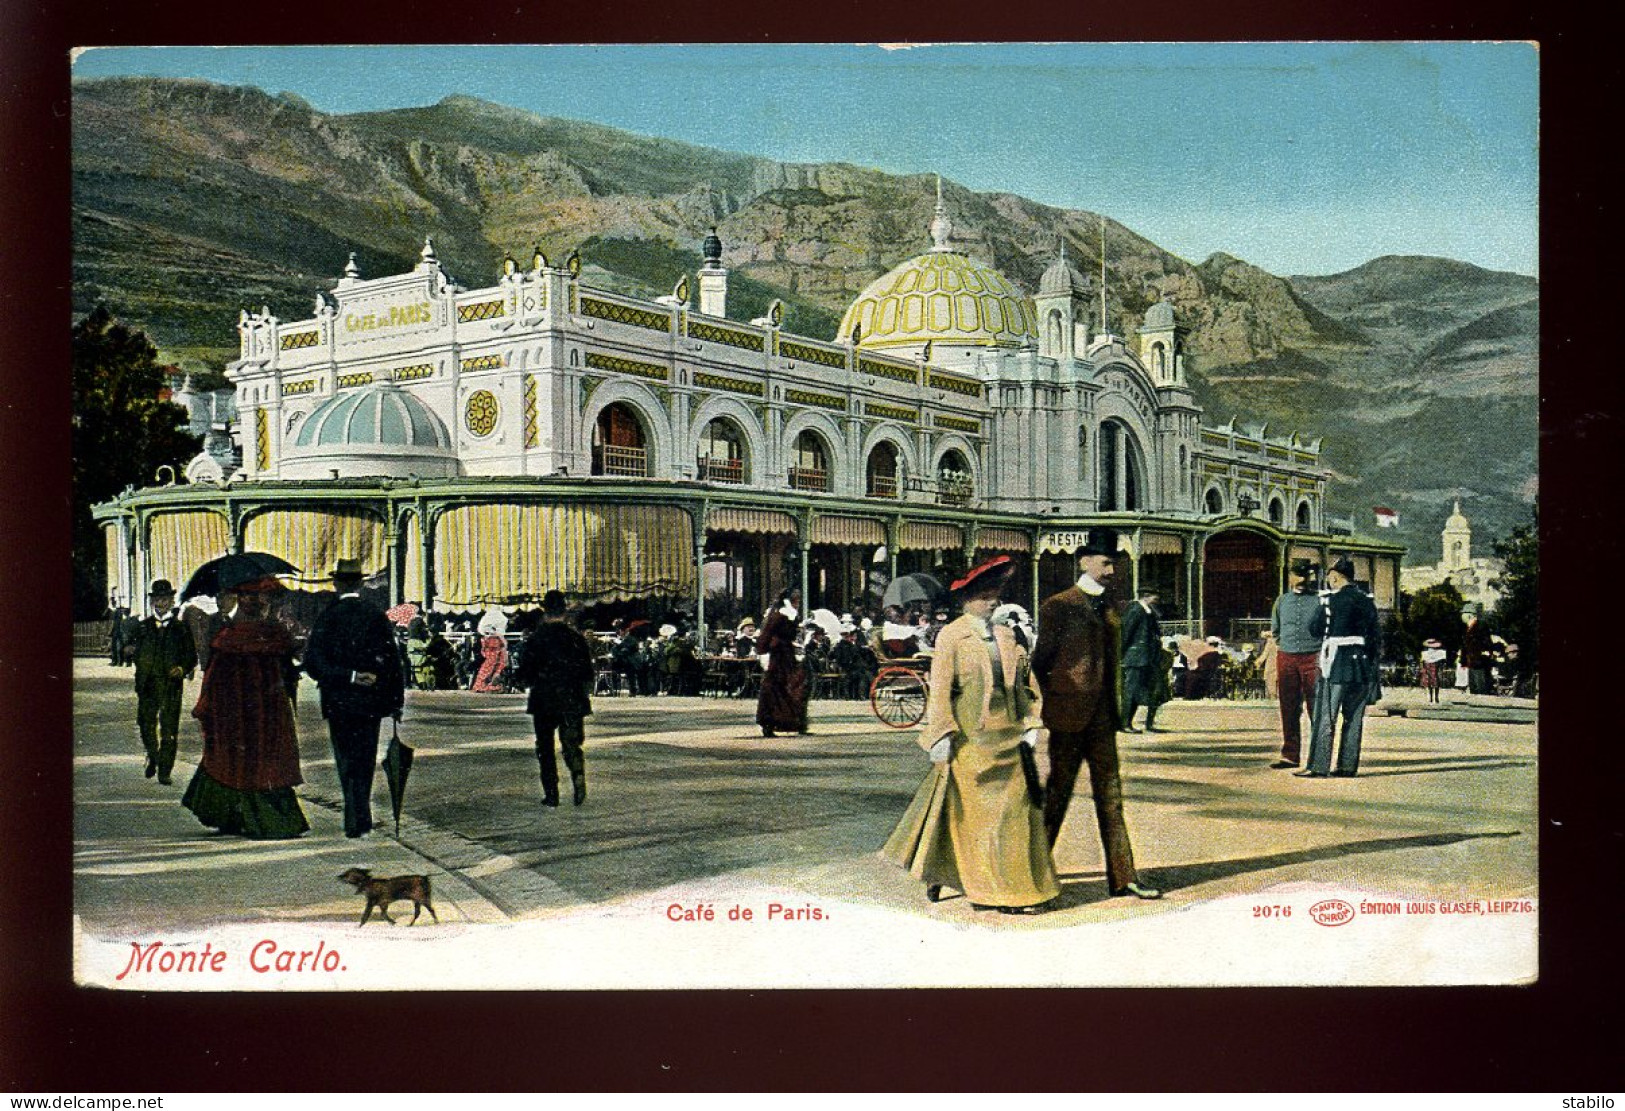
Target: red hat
[[984, 577]]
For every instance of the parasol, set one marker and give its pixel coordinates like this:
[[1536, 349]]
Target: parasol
[[397, 765], [403, 613], [230, 571], [827, 621], [907, 589]]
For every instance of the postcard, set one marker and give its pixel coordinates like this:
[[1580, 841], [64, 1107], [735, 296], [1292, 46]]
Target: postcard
[[812, 516]]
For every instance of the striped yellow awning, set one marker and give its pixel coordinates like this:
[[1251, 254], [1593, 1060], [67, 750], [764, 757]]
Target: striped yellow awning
[[730, 519], [179, 543], [1003, 540], [1161, 543], [919, 536], [412, 578], [314, 540], [848, 530], [115, 563], [493, 554]]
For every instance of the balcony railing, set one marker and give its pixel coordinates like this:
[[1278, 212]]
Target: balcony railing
[[721, 470], [882, 486], [954, 493], [809, 478], [613, 460]]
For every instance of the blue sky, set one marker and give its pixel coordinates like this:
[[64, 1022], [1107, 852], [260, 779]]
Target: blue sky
[[1300, 158]]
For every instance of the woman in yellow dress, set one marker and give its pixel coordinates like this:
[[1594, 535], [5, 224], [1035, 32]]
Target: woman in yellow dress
[[976, 824]]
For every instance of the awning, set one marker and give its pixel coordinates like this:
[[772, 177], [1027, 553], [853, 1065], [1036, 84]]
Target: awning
[[728, 519], [919, 536], [1161, 543], [503, 553], [314, 540], [412, 573], [848, 530], [115, 564], [179, 543], [1003, 540]]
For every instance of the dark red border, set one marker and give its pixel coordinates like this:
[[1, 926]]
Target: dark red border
[[1556, 1036]]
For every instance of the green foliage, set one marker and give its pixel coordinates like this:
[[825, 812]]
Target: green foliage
[[122, 434], [1517, 615], [1434, 612]]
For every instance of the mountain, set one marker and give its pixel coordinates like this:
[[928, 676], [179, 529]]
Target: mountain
[[194, 200]]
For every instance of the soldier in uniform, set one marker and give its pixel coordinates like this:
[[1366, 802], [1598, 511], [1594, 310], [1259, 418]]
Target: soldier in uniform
[[1350, 647], [1297, 659], [165, 657]]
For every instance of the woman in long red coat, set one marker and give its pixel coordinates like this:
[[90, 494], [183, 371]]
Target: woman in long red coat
[[250, 765], [782, 705]]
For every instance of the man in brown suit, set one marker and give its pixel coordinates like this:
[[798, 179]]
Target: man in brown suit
[[1076, 661]]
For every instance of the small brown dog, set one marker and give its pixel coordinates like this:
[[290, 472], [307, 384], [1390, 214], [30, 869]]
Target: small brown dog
[[383, 890]]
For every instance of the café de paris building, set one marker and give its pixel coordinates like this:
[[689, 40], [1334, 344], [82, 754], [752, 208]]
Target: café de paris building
[[476, 448]]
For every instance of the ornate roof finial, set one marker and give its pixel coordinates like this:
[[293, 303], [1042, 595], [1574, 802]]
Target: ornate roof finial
[[351, 270], [427, 254], [942, 228], [712, 250]]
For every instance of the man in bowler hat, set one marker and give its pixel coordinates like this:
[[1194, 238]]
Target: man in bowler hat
[[352, 656], [1350, 647], [1142, 657], [165, 658], [1076, 662], [557, 666]]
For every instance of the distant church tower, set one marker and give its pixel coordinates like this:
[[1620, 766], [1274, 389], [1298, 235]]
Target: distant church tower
[[1062, 305], [1457, 543]]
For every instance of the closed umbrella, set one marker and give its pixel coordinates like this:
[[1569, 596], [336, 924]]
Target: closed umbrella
[[397, 766]]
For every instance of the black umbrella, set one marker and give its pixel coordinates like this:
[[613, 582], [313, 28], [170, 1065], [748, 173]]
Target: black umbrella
[[397, 765], [229, 571], [907, 589]]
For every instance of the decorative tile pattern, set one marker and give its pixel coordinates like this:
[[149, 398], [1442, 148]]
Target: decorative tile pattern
[[293, 341], [732, 385], [599, 361], [821, 400], [891, 412], [889, 370], [262, 440], [793, 350], [483, 310], [748, 341], [625, 314], [346, 381], [970, 387], [480, 412], [958, 424], [482, 362], [532, 429], [414, 373], [307, 385]]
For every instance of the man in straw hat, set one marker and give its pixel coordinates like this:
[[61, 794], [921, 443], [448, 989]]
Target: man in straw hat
[[351, 654], [1298, 658], [165, 657], [1076, 661]]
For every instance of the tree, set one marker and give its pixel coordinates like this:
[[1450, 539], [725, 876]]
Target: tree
[[1517, 614], [123, 431], [1435, 613]]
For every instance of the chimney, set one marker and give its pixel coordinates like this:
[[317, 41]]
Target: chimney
[[713, 278]]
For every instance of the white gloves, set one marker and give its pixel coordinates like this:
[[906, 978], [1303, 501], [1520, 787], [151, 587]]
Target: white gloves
[[1030, 738], [763, 661]]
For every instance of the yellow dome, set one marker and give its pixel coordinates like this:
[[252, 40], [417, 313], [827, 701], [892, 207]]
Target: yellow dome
[[945, 298]]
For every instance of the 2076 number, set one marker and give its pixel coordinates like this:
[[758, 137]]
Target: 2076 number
[[1272, 912]]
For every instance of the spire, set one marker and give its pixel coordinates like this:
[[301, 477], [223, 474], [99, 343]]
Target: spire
[[351, 270], [427, 256], [942, 228]]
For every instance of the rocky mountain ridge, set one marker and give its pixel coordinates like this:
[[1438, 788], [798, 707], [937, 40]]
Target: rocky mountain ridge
[[193, 200]]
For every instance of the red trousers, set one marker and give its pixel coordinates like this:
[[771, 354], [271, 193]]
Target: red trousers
[[1295, 674]]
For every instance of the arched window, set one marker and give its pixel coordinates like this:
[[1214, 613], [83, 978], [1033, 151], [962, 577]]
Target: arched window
[[1215, 501], [1159, 358], [722, 453], [809, 463], [619, 446], [955, 486], [1053, 327], [1122, 468], [1303, 515], [881, 471], [1277, 511]]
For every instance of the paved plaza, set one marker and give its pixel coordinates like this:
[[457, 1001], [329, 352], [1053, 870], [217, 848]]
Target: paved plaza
[[684, 793]]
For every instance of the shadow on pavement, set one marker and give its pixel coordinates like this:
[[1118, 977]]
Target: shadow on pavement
[[1181, 876]]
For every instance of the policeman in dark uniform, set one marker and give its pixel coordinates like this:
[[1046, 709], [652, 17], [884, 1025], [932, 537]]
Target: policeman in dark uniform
[[165, 657], [1348, 680]]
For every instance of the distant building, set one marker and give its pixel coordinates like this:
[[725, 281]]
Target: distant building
[[1456, 563], [479, 447]]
